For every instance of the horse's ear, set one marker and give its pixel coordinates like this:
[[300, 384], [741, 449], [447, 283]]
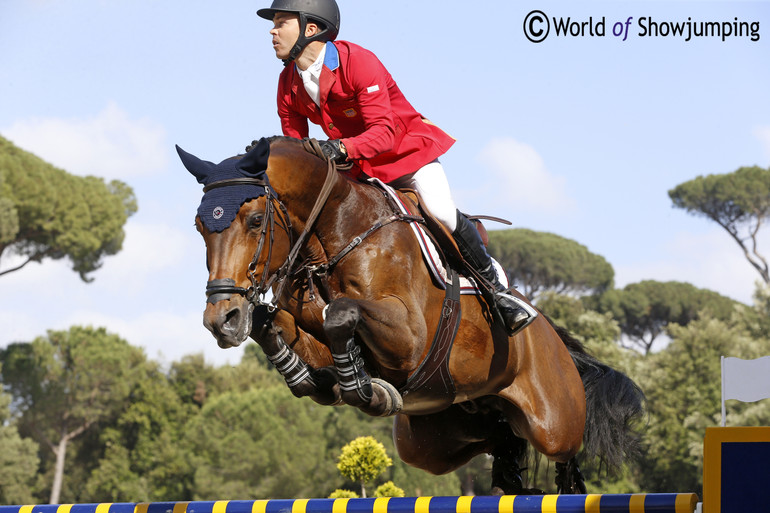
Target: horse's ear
[[199, 168], [254, 163]]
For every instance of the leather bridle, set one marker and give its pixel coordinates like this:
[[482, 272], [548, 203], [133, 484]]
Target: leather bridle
[[224, 288]]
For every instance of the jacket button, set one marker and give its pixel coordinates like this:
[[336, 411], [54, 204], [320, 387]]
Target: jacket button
[[331, 126]]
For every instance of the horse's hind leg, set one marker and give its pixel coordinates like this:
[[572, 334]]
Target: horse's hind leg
[[569, 479], [508, 453], [374, 397]]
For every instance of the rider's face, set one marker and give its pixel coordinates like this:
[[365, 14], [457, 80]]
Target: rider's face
[[285, 33]]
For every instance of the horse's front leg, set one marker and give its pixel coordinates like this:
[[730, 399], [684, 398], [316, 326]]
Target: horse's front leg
[[317, 380], [374, 397]]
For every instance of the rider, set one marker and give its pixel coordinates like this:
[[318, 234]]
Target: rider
[[346, 90]]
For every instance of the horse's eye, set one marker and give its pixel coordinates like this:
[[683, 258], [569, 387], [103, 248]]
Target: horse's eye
[[255, 221]]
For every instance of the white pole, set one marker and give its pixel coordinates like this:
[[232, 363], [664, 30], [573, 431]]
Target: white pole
[[724, 413]]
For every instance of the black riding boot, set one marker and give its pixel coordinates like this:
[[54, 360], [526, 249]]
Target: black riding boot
[[473, 251]]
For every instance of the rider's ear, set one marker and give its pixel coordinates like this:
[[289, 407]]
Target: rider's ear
[[199, 168], [254, 163]]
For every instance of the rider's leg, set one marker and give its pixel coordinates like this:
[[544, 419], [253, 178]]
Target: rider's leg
[[472, 248], [430, 181]]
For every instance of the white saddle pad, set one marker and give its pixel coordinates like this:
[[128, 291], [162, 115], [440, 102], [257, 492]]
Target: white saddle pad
[[429, 252]]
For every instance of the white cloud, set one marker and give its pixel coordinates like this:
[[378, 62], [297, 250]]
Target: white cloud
[[763, 134], [150, 294], [110, 144], [148, 250], [710, 260], [515, 166], [165, 336]]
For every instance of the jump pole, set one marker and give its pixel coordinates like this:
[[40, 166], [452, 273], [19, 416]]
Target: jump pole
[[592, 503]]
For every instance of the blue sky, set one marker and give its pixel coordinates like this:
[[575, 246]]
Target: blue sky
[[579, 136]]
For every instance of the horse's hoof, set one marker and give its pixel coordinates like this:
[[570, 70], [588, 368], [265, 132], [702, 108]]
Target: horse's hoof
[[394, 403]]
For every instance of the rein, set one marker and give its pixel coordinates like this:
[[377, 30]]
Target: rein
[[217, 289], [288, 266], [222, 288]]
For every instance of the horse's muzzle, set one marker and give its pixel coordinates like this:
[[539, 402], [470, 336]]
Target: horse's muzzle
[[230, 324]]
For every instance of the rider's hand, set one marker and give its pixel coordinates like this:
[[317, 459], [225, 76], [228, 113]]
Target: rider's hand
[[334, 150]]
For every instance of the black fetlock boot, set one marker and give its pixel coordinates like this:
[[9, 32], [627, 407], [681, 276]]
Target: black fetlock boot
[[352, 375], [569, 478], [515, 316], [507, 474]]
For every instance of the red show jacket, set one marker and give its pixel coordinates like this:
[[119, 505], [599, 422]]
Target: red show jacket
[[362, 105]]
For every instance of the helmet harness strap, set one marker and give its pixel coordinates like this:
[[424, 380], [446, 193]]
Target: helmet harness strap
[[302, 40]]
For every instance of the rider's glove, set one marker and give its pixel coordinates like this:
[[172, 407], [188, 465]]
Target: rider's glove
[[334, 150]]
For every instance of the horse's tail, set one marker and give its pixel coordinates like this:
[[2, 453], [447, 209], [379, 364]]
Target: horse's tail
[[614, 407]]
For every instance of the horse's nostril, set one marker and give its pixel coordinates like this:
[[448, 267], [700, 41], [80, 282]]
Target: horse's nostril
[[232, 321]]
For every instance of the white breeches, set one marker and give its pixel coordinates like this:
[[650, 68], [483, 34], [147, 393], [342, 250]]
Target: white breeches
[[430, 181]]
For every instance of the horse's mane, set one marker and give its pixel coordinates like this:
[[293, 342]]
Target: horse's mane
[[270, 140], [277, 139], [308, 144]]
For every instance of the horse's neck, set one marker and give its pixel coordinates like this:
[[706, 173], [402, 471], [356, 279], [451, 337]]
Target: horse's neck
[[353, 208]]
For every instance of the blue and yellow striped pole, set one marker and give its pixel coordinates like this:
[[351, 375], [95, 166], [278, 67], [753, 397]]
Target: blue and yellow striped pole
[[595, 503]]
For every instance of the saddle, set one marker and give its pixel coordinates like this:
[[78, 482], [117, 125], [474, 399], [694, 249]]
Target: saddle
[[443, 239], [432, 380], [439, 248]]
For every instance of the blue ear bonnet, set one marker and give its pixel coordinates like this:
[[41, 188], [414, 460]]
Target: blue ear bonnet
[[220, 205]]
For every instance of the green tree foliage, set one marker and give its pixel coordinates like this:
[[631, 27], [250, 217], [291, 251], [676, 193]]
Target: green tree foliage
[[18, 459], [341, 493], [9, 216], [247, 436], [644, 310], [739, 202], [66, 383], [757, 319], [599, 332], [194, 380], [682, 384], [258, 443], [363, 460], [388, 489], [142, 454], [46, 212], [540, 261], [345, 424]]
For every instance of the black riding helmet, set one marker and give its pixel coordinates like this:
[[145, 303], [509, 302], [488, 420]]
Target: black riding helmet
[[323, 12]]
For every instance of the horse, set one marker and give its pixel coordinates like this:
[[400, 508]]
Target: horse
[[356, 318]]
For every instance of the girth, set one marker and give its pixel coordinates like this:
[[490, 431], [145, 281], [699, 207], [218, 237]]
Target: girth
[[433, 373]]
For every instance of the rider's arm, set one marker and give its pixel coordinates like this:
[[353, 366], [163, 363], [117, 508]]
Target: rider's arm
[[370, 81]]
